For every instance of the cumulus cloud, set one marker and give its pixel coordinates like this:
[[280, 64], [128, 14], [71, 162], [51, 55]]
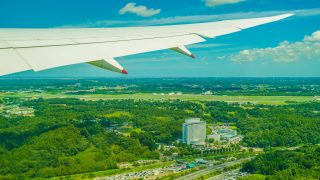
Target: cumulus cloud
[[307, 49], [214, 3], [139, 10]]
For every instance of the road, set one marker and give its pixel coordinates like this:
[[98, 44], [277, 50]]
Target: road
[[210, 169], [223, 175]]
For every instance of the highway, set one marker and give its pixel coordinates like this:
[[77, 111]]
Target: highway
[[210, 169]]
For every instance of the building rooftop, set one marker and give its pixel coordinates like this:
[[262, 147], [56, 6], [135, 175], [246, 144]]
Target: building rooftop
[[192, 120]]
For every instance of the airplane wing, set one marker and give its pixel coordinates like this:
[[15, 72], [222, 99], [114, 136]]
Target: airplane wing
[[40, 49]]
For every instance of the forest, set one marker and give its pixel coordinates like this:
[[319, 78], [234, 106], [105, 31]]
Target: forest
[[218, 86], [289, 125], [68, 136], [301, 163]]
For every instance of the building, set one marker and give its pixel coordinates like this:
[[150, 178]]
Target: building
[[207, 93], [201, 161], [215, 137], [194, 132], [227, 133]]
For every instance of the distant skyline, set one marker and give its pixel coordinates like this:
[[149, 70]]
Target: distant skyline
[[288, 48]]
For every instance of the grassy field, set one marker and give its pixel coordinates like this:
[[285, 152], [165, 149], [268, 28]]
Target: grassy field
[[275, 100]]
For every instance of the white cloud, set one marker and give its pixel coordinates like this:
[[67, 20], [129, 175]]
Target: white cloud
[[307, 49], [196, 18], [214, 3], [139, 10]]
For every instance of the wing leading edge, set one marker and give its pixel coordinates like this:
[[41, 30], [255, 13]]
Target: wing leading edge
[[40, 49]]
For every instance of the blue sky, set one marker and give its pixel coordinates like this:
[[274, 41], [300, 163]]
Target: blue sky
[[288, 48]]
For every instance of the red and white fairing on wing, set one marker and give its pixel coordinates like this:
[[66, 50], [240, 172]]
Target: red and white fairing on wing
[[40, 49], [109, 64]]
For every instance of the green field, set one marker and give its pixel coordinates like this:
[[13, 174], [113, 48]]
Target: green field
[[275, 100]]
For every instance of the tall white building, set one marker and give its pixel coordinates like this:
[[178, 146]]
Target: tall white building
[[194, 131]]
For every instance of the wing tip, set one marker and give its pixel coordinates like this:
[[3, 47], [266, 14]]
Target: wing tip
[[282, 16], [287, 15]]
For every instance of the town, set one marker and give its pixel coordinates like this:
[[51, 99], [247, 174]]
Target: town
[[222, 138]]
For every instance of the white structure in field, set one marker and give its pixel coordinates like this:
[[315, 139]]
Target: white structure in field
[[194, 131]]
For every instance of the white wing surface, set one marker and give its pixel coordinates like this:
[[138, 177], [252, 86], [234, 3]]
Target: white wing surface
[[39, 49]]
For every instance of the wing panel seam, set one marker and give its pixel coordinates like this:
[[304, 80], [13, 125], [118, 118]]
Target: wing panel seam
[[98, 42]]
